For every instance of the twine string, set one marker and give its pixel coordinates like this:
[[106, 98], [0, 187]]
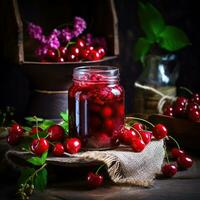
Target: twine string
[[163, 96]]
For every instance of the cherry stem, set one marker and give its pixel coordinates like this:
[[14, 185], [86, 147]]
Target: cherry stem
[[30, 178], [174, 141], [186, 89], [36, 122], [69, 43], [99, 169], [143, 120], [137, 132], [51, 143], [166, 155], [58, 52]]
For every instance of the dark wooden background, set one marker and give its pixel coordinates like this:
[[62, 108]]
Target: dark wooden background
[[14, 88]]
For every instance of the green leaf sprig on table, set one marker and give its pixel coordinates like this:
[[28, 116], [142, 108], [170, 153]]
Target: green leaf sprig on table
[[157, 32], [35, 177], [32, 177]]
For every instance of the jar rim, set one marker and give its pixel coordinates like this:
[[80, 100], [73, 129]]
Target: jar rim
[[108, 73], [96, 68]]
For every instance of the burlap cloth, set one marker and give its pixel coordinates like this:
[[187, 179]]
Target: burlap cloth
[[123, 165]]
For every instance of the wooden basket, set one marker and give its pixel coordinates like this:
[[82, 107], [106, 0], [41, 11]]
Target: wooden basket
[[50, 81]]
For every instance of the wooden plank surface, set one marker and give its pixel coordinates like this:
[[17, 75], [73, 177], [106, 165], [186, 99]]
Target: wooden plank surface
[[185, 185]]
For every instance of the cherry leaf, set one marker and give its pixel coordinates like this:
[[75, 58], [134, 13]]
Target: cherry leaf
[[34, 119], [40, 134], [173, 39], [41, 180], [46, 124], [25, 174]]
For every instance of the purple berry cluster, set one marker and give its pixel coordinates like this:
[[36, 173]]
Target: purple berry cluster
[[53, 47]]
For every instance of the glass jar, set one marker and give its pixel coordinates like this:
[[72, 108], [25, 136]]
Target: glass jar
[[96, 106]]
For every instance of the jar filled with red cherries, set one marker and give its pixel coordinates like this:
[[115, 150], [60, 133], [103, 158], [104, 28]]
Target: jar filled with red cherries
[[96, 106]]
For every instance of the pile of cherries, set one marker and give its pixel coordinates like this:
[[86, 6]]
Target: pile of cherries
[[79, 51], [134, 135], [137, 137], [55, 138], [185, 108]]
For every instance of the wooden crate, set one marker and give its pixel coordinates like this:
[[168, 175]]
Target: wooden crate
[[100, 16], [50, 81]]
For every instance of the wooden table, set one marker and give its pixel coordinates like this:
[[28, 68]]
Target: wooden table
[[184, 186]]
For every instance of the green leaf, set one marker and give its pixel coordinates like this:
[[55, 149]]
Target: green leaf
[[40, 134], [151, 21], [26, 128], [35, 161], [34, 119], [25, 174], [142, 46], [173, 39], [64, 116], [46, 124], [38, 161], [65, 125], [41, 180], [44, 157]]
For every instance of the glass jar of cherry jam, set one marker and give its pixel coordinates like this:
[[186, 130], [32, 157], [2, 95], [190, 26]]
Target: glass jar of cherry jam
[[96, 106]]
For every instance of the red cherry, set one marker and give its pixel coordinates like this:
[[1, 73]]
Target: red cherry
[[13, 139], [196, 98], [58, 150], [94, 180], [109, 125], [175, 152], [138, 126], [194, 115], [101, 52], [84, 54], [89, 48], [137, 145], [127, 135], [169, 170], [74, 50], [181, 101], [55, 132], [51, 55], [168, 111], [63, 52], [60, 59], [192, 106], [159, 131], [184, 162], [93, 55], [39, 146], [16, 129], [179, 110], [72, 57], [34, 130], [80, 43], [107, 112], [15, 134], [146, 136], [72, 145]]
